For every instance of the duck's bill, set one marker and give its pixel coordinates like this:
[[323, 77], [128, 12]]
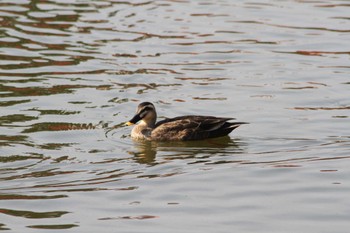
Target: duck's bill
[[134, 120]]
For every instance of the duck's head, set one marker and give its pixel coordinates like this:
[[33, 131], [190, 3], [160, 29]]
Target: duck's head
[[146, 113]]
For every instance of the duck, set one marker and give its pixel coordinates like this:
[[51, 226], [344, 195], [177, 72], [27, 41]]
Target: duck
[[181, 128]]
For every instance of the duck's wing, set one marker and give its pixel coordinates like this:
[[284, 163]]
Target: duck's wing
[[193, 128]]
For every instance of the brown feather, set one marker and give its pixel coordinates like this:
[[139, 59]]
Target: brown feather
[[191, 127]]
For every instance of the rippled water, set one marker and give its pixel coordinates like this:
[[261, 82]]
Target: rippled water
[[72, 72]]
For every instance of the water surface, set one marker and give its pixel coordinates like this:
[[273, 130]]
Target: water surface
[[72, 72]]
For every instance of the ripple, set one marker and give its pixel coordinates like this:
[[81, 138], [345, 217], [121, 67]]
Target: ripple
[[295, 27], [314, 53], [322, 108], [140, 217]]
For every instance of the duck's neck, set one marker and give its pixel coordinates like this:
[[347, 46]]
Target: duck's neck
[[141, 131], [149, 124]]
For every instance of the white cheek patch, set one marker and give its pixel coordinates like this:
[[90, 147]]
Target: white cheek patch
[[143, 114], [145, 110]]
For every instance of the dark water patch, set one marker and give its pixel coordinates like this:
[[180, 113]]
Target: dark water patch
[[333, 5], [209, 15], [75, 190], [33, 215], [3, 227], [16, 140], [39, 174], [9, 119], [226, 51], [139, 217], [29, 197], [257, 42], [13, 138], [182, 64], [144, 71], [15, 158], [206, 79], [118, 100], [35, 74], [322, 108], [210, 63], [59, 126], [152, 176], [295, 27], [209, 98], [31, 29], [314, 28], [79, 102], [13, 91], [228, 32], [20, 80], [300, 88], [346, 18], [61, 158], [340, 116], [54, 227], [335, 67], [315, 53], [143, 36], [125, 55], [42, 62], [202, 69], [55, 146], [13, 102], [201, 42]]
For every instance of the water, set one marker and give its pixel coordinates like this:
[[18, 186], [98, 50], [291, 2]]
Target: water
[[72, 72]]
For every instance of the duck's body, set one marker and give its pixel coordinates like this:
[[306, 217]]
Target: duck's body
[[183, 128]]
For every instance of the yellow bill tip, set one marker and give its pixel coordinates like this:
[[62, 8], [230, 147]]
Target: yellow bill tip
[[129, 123]]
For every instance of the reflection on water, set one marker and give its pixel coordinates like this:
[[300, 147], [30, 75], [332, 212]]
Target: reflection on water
[[72, 71], [146, 151]]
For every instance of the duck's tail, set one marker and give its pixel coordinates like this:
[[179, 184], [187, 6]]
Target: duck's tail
[[226, 129]]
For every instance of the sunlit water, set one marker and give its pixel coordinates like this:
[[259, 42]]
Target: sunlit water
[[72, 72]]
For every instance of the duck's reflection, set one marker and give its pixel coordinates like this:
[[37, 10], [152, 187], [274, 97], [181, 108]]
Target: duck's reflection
[[145, 152]]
